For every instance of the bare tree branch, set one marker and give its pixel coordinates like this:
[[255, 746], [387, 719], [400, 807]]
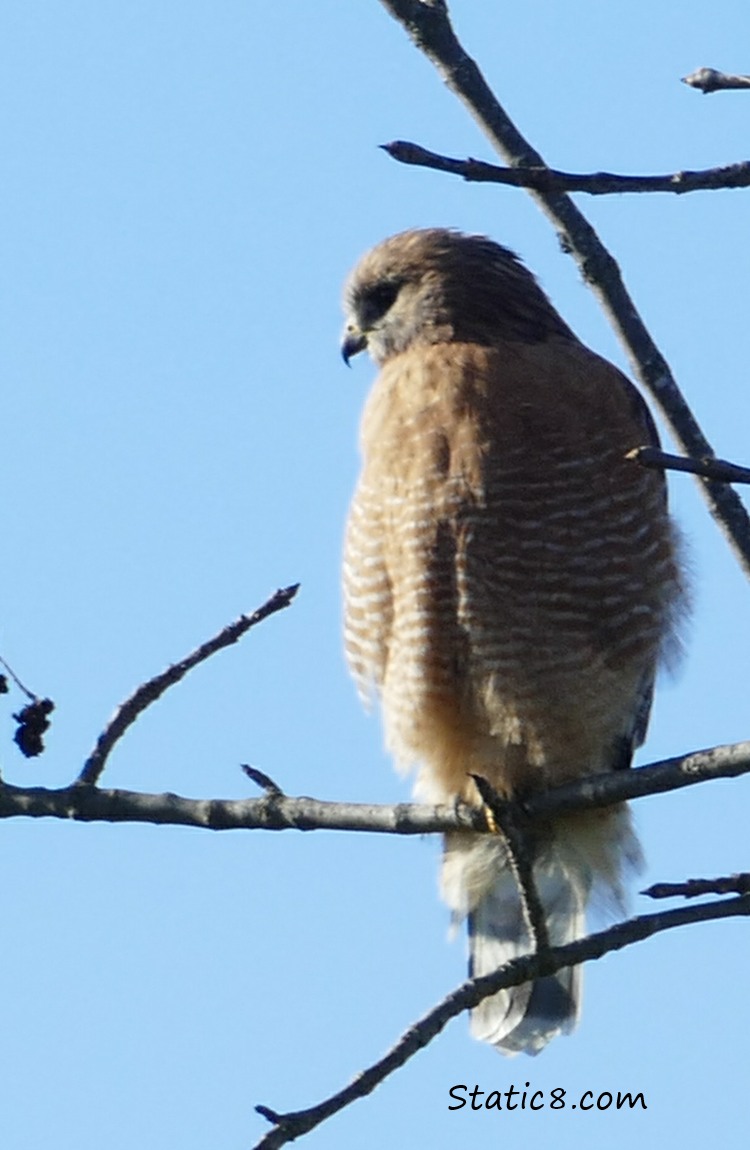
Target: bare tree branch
[[694, 887], [711, 468], [428, 24], [272, 812], [275, 811], [512, 822], [727, 761], [708, 80], [127, 713], [552, 180], [295, 1123]]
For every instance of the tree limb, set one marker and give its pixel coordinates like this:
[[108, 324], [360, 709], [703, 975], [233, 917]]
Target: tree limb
[[275, 811], [711, 468], [127, 713], [552, 180], [708, 80], [428, 25], [511, 821], [694, 887], [295, 1123]]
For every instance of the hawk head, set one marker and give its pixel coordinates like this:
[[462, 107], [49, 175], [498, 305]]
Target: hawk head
[[436, 285]]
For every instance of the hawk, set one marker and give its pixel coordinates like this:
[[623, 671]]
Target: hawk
[[511, 581]]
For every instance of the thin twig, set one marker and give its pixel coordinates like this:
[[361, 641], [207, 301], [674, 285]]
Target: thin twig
[[261, 779], [428, 25], [694, 887], [295, 1123], [719, 470], [708, 80], [553, 180], [127, 713], [29, 694], [276, 812]]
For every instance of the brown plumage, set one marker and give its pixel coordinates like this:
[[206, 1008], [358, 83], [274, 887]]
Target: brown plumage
[[510, 579]]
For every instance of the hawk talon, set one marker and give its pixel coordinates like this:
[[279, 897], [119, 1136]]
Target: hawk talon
[[490, 819]]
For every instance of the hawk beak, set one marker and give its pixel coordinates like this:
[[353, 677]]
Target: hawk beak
[[353, 343]]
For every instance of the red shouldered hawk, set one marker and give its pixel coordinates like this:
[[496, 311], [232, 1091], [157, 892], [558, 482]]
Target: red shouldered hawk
[[510, 581]]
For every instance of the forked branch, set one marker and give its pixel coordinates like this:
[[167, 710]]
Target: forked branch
[[428, 24], [291, 1125], [275, 811]]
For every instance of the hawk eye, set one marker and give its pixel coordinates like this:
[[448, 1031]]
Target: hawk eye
[[380, 298]]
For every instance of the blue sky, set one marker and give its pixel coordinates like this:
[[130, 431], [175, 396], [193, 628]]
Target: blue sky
[[184, 189]]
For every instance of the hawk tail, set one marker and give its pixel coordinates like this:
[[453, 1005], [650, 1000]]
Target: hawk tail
[[582, 853], [526, 1017]]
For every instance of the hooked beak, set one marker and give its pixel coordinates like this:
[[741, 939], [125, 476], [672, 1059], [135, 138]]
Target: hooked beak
[[353, 343]]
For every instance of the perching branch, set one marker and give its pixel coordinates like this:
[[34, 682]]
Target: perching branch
[[552, 180], [708, 80], [295, 1123], [275, 811], [726, 761], [428, 25], [127, 713], [272, 812]]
